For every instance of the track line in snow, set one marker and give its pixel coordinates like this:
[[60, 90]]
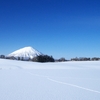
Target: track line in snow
[[37, 75], [60, 82]]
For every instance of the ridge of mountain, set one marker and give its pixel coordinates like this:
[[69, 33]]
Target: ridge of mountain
[[26, 53]]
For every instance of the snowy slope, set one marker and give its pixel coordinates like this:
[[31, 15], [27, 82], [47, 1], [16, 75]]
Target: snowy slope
[[49, 81], [26, 53]]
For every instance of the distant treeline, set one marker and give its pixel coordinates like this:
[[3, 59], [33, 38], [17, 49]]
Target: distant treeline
[[85, 59], [40, 58], [46, 58]]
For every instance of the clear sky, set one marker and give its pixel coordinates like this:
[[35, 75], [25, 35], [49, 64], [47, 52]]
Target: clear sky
[[61, 28]]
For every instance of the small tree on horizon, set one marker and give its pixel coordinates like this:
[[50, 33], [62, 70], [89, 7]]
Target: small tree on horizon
[[18, 58]]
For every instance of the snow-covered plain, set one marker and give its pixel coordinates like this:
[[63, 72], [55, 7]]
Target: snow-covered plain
[[20, 80]]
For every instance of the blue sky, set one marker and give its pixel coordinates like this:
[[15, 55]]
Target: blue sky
[[61, 28]]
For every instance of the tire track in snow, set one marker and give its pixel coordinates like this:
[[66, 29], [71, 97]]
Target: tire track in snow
[[37, 75], [73, 85], [60, 82]]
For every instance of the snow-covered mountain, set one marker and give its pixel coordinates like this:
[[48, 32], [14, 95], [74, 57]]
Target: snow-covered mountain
[[25, 53]]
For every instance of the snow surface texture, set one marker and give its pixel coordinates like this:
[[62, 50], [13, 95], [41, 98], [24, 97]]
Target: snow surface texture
[[20, 80], [26, 53]]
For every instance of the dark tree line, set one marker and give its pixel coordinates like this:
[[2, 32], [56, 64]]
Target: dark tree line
[[85, 59], [43, 58], [46, 58]]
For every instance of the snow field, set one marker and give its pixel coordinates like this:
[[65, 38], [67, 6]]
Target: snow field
[[20, 80]]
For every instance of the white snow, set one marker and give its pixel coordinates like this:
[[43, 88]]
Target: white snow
[[20, 80], [26, 53]]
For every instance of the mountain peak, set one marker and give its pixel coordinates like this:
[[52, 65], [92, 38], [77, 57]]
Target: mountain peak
[[26, 53], [28, 47]]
